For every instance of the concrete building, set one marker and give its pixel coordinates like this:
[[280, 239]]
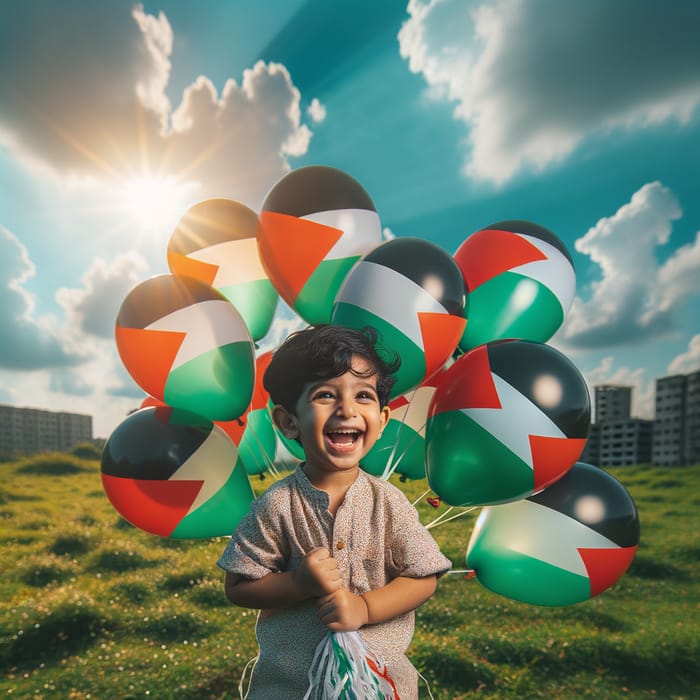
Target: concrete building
[[625, 442], [692, 419], [612, 402], [677, 420], [617, 439], [29, 430]]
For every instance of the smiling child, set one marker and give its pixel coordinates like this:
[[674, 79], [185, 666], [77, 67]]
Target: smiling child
[[330, 547]]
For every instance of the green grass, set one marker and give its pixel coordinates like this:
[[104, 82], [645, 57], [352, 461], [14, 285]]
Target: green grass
[[91, 607]]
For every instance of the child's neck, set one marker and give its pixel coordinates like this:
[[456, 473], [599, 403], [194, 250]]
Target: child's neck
[[335, 484]]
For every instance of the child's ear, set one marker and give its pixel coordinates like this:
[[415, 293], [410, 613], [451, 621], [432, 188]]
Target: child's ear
[[384, 418], [285, 421]]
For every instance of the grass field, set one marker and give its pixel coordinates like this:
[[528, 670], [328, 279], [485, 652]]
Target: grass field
[[91, 607]]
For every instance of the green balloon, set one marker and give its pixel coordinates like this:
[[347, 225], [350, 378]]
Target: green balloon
[[400, 448], [259, 442]]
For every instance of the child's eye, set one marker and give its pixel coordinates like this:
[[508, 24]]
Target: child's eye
[[323, 394], [366, 396]]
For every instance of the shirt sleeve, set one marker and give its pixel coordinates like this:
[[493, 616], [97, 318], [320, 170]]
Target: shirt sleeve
[[257, 547], [412, 550]]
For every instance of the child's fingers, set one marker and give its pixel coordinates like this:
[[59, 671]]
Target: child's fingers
[[319, 554]]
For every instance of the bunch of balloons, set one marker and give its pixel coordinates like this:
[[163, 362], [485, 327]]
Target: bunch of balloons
[[482, 407]]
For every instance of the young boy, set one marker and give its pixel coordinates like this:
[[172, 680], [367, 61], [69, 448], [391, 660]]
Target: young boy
[[330, 547]]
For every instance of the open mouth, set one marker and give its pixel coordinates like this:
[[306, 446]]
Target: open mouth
[[343, 438]]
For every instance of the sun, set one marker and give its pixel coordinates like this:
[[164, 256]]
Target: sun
[[153, 203]]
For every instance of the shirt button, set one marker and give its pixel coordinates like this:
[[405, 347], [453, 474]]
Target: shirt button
[[340, 545]]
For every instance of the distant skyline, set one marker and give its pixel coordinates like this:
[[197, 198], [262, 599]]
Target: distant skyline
[[580, 116]]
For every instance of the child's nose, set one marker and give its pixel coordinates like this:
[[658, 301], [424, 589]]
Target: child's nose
[[346, 406]]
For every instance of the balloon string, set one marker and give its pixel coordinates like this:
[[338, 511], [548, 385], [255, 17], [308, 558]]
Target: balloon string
[[441, 519], [391, 468], [420, 498], [267, 460], [438, 519]]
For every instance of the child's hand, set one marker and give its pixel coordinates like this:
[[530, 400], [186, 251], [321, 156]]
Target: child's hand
[[343, 611], [318, 573]]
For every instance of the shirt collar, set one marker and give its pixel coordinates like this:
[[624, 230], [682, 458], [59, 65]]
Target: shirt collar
[[320, 496]]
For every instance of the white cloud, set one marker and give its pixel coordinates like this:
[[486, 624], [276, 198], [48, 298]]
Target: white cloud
[[532, 78], [316, 111], [84, 95], [93, 309], [237, 144], [635, 298], [643, 389], [678, 276], [29, 343], [688, 361]]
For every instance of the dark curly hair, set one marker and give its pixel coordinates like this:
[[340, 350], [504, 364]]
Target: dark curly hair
[[324, 352]]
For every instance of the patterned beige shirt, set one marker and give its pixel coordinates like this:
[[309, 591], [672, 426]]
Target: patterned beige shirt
[[375, 536]]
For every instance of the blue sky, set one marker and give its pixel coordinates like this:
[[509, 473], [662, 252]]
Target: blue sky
[[582, 116]]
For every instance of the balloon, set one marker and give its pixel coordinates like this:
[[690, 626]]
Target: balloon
[[175, 474], [401, 447], [263, 449], [564, 545], [216, 242], [520, 283], [315, 224], [507, 419], [412, 292], [185, 344], [259, 444]]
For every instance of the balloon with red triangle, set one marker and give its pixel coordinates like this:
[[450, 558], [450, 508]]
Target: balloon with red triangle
[[175, 474], [507, 419], [216, 241], [401, 446], [315, 223], [412, 292], [520, 283], [185, 344], [564, 545]]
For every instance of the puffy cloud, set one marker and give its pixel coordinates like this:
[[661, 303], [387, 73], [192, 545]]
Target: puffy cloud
[[678, 276], [68, 381], [237, 144], [122, 385], [635, 298], [93, 309], [28, 343], [688, 361], [83, 89], [531, 78], [316, 111], [79, 79]]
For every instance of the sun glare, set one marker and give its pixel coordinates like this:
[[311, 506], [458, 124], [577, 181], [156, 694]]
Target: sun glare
[[154, 203]]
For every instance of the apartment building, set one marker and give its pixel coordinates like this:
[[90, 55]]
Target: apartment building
[[617, 439], [677, 420], [29, 430]]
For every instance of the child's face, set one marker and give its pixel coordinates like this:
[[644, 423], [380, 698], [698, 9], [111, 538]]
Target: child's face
[[338, 420]]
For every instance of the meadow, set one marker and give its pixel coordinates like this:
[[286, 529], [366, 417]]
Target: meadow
[[91, 607]]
